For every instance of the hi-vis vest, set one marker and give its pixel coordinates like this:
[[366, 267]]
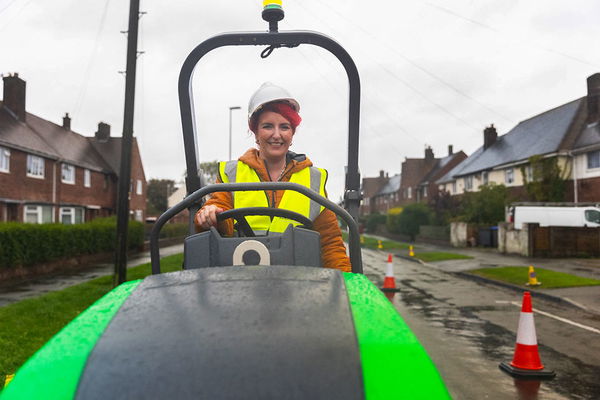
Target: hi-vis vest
[[311, 177]]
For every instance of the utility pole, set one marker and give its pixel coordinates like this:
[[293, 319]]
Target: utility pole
[[125, 168]]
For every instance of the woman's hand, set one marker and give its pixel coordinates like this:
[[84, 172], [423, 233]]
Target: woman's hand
[[207, 216]]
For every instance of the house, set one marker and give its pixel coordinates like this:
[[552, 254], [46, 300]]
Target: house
[[413, 171], [49, 173], [369, 188], [568, 134], [428, 187], [387, 197]]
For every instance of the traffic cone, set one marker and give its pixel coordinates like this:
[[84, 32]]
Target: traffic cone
[[389, 283], [526, 362], [532, 278], [379, 245], [410, 251], [362, 239]]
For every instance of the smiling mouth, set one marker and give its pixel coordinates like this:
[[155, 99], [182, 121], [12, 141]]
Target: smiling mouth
[[276, 143]]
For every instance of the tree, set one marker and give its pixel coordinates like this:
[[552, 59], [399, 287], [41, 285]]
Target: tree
[[445, 207], [210, 169], [485, 206], [412, 217], [545, 183], [158, 193]]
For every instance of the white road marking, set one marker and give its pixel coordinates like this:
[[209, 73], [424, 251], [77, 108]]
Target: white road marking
[[547, 314]]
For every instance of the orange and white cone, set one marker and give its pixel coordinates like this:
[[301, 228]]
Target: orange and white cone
[[389, 283], [526, 362]]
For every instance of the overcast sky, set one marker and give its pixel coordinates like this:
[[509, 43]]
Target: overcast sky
[[433, 72]]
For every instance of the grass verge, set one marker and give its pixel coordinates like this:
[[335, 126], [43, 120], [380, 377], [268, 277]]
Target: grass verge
[[518, 275], [30, 323], [372, 243], [432, 256]]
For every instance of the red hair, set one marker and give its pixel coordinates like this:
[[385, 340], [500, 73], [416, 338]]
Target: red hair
[[282, 108]]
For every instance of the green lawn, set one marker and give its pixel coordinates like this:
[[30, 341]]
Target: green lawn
[[371, 243], [518, 275], [430, 256], [30, 323]]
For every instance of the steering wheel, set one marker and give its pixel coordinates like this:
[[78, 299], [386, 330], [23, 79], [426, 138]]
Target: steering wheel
[[240, 214]]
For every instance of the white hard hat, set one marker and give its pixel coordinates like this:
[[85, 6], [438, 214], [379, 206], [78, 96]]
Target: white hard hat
[[267, 93]]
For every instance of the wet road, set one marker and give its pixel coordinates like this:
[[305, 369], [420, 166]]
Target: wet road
[[468, 328]]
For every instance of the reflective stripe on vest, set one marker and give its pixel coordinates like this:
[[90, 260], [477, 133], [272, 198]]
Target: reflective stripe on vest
[[312, 177]]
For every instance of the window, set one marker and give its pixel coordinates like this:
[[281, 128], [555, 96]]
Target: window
[[468, 183], [38, 214], [138, 187], [454, 187], [425, 192], [509, 176], [87, 178], [4, 159], [593, 159], [529, 173], [35, 166], [71, 215], [485, 178], [366, 201], [68, 173], [592, 216], [409, 193], [138, 214]]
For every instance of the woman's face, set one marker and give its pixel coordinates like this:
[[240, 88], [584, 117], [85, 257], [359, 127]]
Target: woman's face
[[273, 135]]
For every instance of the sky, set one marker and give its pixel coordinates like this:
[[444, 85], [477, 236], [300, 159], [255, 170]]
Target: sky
[[433, 73]]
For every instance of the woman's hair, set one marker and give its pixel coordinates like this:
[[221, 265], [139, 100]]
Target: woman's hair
[[282, 108]]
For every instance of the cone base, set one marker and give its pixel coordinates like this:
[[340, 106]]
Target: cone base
[[384, 289], [526, 373]]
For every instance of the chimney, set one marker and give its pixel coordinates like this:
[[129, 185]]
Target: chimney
[[489, 136], [381, 173], [593, 98], [450, 150], [103, 132], [14, 95], [67, 122], [428, 153]]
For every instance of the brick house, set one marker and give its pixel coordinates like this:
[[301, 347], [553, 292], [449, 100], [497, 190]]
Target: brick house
[[428, 187], [369, 188], [570, 133], [413, 171], [388, 196], [48, 173]]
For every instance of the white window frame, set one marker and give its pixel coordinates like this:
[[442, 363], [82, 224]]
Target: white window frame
[[67, 173], [4, 159], [35, 166], [409, 192], [485, 178], [468, 182], [454, 187], [87, 178], [38, 211], [72, 212], [139, 215], [509, 176], [595, 160], [138, 187]]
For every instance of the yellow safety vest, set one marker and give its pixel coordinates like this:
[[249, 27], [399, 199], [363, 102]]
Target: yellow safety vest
[[311, 177]]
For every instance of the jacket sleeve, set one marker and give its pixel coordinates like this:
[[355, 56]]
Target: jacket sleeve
[[224, 201], [333, 250]]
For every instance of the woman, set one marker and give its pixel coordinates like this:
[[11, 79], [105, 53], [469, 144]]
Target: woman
[[273, 118]]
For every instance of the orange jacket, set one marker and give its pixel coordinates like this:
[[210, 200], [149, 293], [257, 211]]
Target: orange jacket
[[333, 250]]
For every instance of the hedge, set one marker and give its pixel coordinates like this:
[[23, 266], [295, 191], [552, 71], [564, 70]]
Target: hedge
[[30, 244]]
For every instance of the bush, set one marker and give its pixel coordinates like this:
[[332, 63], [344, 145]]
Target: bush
[[374, 220], [411, 218], [29, 244], [485, 206]]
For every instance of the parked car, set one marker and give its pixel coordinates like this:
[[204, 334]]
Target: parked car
[[555, 216]]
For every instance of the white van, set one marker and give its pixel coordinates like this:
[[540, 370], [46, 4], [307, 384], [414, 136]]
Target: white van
[[556, 216]]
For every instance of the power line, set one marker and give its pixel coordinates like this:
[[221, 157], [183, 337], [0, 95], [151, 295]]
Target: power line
[[86, 76], [495, 30], [416, 65]]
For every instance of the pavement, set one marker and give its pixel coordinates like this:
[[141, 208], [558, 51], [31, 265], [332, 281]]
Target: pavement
[[586, 298], [50, 283]]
